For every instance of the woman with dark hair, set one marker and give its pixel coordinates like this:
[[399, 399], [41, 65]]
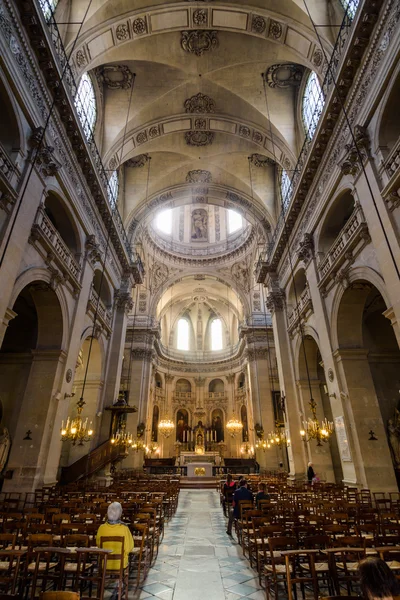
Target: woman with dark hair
[[377, 580]]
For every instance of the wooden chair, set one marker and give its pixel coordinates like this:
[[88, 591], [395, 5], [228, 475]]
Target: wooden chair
[[343, 565], [91, 572], [48, 568], [275, 569], [121, 573], [10, 569], [300, 570], [59, 596], [139, 558]]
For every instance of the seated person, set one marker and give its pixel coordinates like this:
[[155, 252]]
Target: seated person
[[261, 494], [241, 494], [377, 580], [115, 527]]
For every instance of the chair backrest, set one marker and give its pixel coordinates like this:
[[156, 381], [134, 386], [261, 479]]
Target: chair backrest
[[59, 596], [108, 542]]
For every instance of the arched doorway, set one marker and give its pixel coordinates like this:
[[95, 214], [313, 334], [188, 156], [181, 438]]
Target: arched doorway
[[31, 361], [369, 359]]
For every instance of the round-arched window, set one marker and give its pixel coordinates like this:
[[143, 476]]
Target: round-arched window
[[350, 6], [286, 189], [113, 187], [183, 335], [48, 7], [313, 104], [216, 334], [85, 104]]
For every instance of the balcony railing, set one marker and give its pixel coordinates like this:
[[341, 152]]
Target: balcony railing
[[160, 392], [96, 303], [304, 306], [53, 239], [199, 356], [392, 163], [44, 10], [216, 395], [183, 395], [7, 168], [354, 230]]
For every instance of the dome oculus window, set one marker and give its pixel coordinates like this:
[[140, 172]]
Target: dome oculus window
[[85, 104], [216, 335], [48, 7], [313, 104], [235, 221], [113, 187], [183, 335], [286, 189], [164, 221]]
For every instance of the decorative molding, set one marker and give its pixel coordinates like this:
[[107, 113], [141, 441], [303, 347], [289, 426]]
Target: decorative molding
[[305, 250], [258, 24], [115, 77], [139, 26], [200, 17], [275, 300], [123, 300], [199, 41], [137, 161], [284, 75], [359, 148], [92, 250], [275, 30], [122, 32], [199, 138], [260, 161], [200, 103], [257, 353], [199, 176]]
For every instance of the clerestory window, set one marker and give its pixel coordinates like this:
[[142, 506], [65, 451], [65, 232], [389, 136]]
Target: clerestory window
[[183, 335], [313, 104], [113, 187], [164, 221], [216, 334], [235, 221], [286, 189], [48, 7], [85, 104]]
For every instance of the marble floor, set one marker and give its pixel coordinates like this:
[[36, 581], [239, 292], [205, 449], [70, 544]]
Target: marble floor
[[197, 560]]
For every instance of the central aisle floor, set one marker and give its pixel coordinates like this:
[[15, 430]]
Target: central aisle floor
[[197, 560]]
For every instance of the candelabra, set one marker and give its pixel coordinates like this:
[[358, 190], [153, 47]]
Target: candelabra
[[77, 430], [313, 429]]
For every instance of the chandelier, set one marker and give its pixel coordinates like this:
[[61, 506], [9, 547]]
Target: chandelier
[[313, 429], [234, 426], [247, 449], [121, 438], [277, 437], [152, 448], [77, 430], [166, 427]]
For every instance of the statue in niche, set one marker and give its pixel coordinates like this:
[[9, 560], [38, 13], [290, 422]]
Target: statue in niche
[[394, 438], [217, 424], [182, 419], [200, 225], [200, 438]]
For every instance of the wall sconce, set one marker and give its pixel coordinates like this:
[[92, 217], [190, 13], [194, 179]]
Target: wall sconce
[[28, 435], [71, 395]]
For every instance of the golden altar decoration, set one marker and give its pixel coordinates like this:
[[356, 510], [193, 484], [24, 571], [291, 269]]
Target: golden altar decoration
[[199, 471]]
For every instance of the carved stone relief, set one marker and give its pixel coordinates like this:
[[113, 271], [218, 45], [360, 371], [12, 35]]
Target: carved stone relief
[[258, 160], [137, 161], [199, 41], [284, 75], [199, 176], [115, 77], [200, 103], [258, 24], [199, 225], [199, 138]]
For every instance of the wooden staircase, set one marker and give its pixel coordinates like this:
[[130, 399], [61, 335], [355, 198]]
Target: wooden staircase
[[90, 464]]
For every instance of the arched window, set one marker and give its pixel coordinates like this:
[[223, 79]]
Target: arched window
[[113, 187], [350, 6], [164, 221], [216, 335], [235, 221], [85, 104], [183, 335], [48, 7], [286, 189], [313, 103]]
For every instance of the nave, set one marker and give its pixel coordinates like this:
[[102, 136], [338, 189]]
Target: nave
[[197, 559]]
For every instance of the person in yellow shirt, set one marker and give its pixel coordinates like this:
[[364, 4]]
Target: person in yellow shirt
[[115, 527]]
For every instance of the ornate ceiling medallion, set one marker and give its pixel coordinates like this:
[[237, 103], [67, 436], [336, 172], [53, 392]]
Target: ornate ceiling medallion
[[258, 160], [199, 176], [200, 103], [283, 76], [137, 161], [115, 77], [199, 138], [199, 41], [258, 24]]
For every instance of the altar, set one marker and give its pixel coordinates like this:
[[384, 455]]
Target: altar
[[188, 457], [199, 469]]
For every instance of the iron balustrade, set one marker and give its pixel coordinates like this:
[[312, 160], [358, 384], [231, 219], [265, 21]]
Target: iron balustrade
[[327, 85], [47, 10]]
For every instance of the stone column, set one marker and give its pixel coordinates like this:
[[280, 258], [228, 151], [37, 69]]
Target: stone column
[[296, 451], [38, 408], [373, 462]]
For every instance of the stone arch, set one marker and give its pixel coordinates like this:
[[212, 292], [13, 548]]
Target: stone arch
[[387, 130], [336, 216], [216, 386], [59, 212], [12, 137], [297, 286], [183, 385], [102, 287]]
